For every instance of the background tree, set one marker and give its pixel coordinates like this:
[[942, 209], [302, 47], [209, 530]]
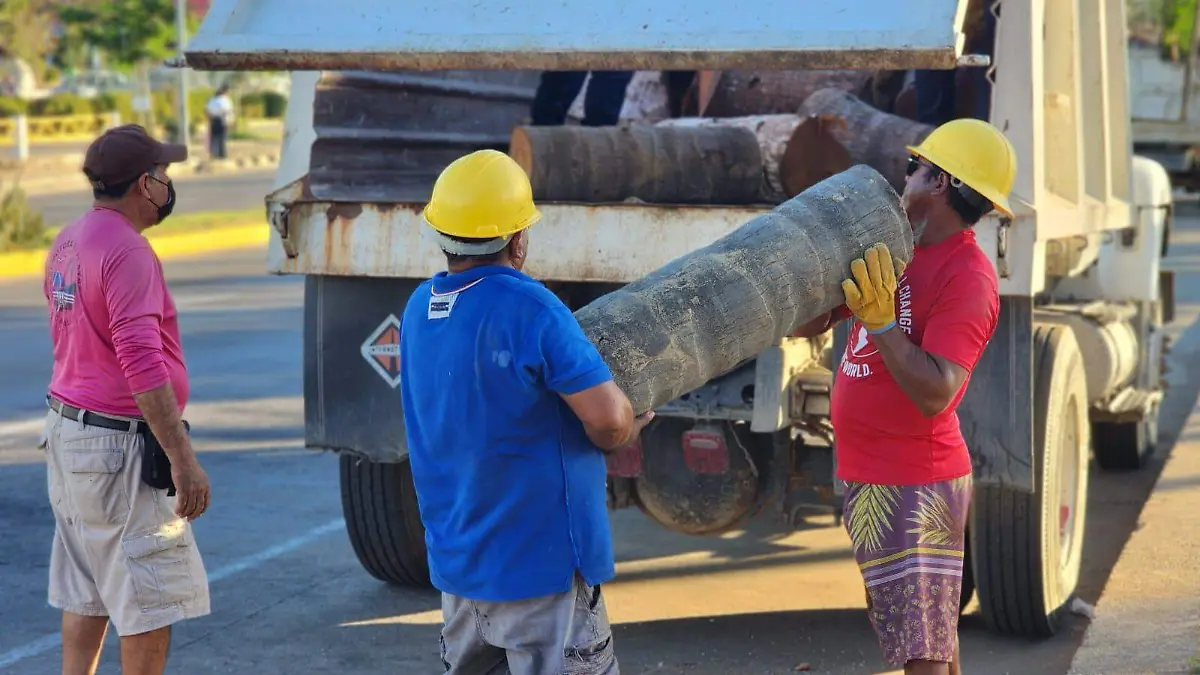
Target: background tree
[[133, 35], [130, 33], [27, 32], [1179, 21]]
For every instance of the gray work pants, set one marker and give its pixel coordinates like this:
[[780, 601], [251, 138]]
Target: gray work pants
[[563, 634]]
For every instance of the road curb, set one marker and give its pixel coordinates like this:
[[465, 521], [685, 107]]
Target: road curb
[[167, 245]]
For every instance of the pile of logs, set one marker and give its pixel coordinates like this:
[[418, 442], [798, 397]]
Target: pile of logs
[[830, 163], [764, 138]]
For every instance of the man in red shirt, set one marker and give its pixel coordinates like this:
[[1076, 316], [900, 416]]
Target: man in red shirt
[[123, 548], [908, 359]]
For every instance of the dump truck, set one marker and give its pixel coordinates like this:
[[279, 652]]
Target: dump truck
[[386, 94]]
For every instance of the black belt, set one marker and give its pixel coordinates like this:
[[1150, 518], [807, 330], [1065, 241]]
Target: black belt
[[89, 418]]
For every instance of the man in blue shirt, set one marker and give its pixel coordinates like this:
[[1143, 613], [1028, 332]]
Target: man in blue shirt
[[508, 409]]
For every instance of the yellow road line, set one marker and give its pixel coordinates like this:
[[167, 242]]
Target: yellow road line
[[167, 244]]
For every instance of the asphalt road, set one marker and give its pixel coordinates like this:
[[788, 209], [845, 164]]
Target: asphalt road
[[289, 595], [231, 192]]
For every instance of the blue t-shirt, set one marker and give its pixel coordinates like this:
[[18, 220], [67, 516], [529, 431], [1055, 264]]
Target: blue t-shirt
[[511, 490]]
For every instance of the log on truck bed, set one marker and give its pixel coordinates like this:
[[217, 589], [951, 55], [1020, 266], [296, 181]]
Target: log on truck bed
[[702, 314], [773, 132], [750, 92], [656, 164], [871, 136]]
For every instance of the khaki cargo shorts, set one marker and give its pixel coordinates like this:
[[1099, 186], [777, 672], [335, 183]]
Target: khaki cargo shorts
[[119, 550]]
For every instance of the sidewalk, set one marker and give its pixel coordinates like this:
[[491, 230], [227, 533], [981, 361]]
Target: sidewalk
[[60, 171], [1148, 617]]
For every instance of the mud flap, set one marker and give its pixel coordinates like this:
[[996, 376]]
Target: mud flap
[[352, 365], [996, 413]]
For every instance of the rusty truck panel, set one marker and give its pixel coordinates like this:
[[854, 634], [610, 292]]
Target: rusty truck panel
[[384, 137], [573, 242]]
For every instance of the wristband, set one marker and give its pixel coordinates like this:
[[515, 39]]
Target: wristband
[[885, 329]]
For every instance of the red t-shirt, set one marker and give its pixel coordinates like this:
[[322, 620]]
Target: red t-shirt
[[947, 302]]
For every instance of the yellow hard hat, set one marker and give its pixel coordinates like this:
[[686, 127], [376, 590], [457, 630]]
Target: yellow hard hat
[[977, 154], [483, 195]]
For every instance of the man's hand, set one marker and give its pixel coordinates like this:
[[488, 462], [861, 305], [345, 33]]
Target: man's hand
[[871, 295], [191, 489], [640, 423], [635, 431]]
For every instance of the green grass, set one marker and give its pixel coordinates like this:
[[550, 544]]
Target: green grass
[[187, 222], [1194, 665]]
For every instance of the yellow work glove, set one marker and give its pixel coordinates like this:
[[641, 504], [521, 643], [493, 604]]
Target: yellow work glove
[[871, 295]]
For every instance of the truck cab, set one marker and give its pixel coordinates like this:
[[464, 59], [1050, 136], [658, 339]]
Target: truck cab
[[386, 94]]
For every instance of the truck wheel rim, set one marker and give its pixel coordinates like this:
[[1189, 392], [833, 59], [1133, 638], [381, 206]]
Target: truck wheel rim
[[1068, 482]]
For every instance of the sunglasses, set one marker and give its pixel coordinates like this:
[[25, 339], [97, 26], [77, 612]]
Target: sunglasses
[[914, 163]]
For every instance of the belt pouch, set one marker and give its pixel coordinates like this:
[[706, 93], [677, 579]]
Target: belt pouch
[[156, 465]]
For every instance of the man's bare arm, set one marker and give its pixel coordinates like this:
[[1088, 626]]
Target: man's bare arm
[[817, 326], [161, 410], [822, 324], [929, 381], [606, 415]]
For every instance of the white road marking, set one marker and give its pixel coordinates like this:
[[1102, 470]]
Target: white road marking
[[29, 427], [49, 642], [275, 551]]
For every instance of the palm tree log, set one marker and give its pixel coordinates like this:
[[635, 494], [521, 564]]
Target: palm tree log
[[812, 154], [871, 136], [656, 164], [773, 132], [738, 93], [704, 313]]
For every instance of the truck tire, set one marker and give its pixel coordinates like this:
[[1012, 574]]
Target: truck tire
[[1028, 547], [379, 504]]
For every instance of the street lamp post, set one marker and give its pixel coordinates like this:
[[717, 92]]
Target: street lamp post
[[180, 40]]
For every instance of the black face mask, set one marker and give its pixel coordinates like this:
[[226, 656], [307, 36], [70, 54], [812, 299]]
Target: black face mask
[[165, 209]]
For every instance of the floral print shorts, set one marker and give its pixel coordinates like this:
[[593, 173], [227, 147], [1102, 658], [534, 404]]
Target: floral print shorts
[[909, 543]]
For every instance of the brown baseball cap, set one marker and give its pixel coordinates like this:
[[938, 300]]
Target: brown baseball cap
[[123, 153]]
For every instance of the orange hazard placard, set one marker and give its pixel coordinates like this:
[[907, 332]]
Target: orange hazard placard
[[382, 350]]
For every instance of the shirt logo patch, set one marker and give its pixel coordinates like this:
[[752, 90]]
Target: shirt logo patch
[[862, 346], [440, 306], [381, 350], [63, 286]]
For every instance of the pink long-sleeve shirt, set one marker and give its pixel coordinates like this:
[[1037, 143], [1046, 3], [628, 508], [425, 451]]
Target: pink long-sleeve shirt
[[112, 320]]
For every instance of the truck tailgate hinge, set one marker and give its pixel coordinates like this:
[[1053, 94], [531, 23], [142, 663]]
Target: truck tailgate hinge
[[277, 216], [1002, 248]]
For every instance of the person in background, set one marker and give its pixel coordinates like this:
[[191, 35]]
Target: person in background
[[123, 549], [917, 334], [219, 110], [601, 104], [509, 411]]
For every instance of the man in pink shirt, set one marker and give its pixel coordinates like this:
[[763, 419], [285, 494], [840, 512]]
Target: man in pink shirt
[[123, 480]]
